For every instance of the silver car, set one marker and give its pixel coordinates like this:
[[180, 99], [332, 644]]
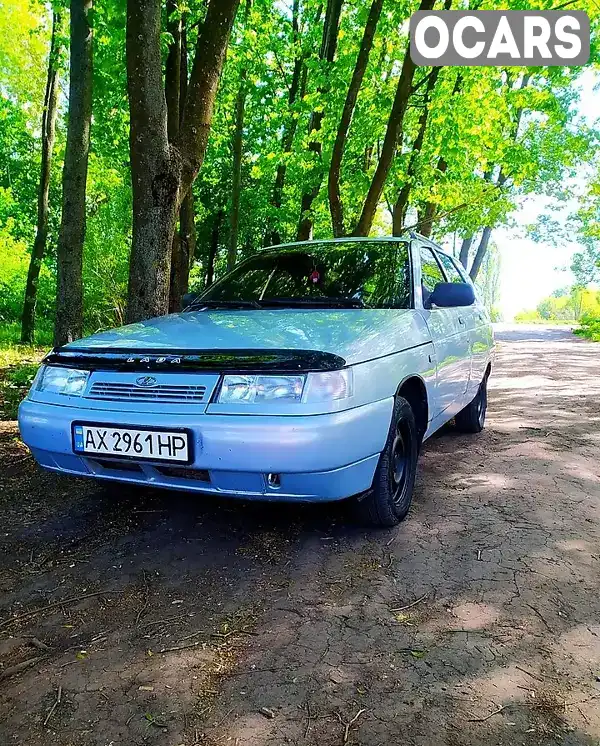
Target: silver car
[[312, 371]]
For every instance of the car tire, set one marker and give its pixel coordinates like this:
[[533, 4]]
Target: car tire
[[389, 499], [472, 418]]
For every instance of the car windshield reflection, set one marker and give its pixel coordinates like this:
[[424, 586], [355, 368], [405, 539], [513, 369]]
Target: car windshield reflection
[[338, 275]]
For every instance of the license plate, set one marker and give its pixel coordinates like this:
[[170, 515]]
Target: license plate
[[132, 443]]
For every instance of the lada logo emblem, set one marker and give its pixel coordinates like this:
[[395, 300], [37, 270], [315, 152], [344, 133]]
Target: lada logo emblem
[[145, 381]]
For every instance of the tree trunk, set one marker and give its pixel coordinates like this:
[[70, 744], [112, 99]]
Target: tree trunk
[[187, 213], [335, 201], [500, 181], [173, 80], [430, 208], [209, 58], [401, 205], [213, 249], [69, 296], [187, 238], [156, 171], [238, 143], [274, 237], [400, 208], [392, 138], [173, 94], [480, 253], [48, 134], [442, 165], [162, 171], [296, 93], [327, 54], [426, 220], [236, 189], [465, 248], [485, 236], [184, 242]]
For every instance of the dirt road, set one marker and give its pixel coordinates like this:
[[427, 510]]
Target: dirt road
[[475, 622]]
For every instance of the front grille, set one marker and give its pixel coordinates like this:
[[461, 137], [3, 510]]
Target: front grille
[[160, 393]]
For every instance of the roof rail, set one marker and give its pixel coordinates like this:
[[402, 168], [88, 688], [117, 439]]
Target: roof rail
[[414, 234]]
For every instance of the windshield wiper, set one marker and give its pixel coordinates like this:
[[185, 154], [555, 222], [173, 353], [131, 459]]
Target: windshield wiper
[[316, 302], [211, 303]]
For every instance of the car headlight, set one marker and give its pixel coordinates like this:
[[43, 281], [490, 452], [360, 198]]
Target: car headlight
[[310, 388], [67, 381], [250, 389]]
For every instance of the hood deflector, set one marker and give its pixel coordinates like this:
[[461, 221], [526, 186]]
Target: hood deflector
[[222, 361]]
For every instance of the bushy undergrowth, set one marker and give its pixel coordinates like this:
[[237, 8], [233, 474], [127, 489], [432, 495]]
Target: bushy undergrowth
[[589, 328]]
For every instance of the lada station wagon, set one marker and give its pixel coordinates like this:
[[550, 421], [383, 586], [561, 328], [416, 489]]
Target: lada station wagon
[[312, 371]]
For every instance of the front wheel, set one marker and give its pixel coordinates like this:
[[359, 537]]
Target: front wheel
[[388, 501], [472, 418]]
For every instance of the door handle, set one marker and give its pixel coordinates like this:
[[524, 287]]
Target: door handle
[[461, 320]]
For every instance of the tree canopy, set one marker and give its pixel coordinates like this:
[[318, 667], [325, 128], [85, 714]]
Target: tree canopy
[[262, 121]]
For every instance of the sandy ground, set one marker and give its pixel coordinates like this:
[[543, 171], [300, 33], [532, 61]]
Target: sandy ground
[[477, 621]]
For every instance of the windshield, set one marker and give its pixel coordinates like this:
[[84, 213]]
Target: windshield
[[343, 274]]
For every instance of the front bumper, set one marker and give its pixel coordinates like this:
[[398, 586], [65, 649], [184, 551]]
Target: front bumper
[[317, 457]]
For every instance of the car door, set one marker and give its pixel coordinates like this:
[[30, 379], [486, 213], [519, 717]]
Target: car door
[[465, 314], [480, 329], [449, 334]]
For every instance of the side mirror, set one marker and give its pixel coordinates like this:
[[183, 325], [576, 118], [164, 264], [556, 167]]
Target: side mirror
[[451, 295], [188, 299]]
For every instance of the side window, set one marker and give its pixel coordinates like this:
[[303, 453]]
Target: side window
[[431, 272], [451, 272], [404, 292]]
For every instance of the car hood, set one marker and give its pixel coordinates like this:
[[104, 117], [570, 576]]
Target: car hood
[[353, 334]]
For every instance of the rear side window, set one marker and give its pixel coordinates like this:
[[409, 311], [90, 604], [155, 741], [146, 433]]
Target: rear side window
[[431, 272], [451, 272]]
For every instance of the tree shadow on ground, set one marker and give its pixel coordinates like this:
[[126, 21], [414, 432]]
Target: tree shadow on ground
[[212, 610]]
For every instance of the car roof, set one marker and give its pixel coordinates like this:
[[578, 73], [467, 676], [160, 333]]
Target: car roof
[[348, 239]]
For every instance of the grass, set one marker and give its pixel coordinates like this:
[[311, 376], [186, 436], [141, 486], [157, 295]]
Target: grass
[[10, 333], [18, 366], [19, 363], [546, 322]]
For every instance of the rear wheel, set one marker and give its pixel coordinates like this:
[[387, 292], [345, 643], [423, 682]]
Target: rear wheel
[[389, 500], [472, 418]]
